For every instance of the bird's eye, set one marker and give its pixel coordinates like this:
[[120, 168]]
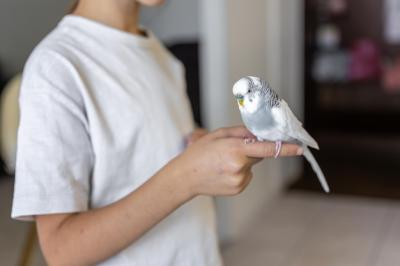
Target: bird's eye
[[249, 91]]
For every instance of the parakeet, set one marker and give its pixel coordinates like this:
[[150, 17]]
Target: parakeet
[[269, 117]]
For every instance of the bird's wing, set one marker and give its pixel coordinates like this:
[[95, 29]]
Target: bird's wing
[[291, 126]]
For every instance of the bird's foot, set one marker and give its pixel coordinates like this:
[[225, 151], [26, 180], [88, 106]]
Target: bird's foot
[[278, 146], [249, 140]]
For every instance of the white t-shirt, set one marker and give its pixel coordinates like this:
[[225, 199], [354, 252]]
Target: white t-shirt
[[101, 111]]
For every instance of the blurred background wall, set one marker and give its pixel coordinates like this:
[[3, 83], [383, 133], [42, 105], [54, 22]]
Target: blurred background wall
[[176, 21], [22, 25]]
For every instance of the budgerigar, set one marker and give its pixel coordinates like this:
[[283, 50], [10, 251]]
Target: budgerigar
[[269, 117]]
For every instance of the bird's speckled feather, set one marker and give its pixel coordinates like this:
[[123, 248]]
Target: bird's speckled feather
[[268, 93]]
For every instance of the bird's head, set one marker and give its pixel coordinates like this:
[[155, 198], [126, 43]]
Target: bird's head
[[248, 93]]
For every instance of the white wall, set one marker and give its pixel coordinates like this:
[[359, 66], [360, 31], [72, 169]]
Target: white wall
[[176, 20], [241, 38]]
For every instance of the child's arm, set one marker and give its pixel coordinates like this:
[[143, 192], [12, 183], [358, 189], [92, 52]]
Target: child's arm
[[217, 164]]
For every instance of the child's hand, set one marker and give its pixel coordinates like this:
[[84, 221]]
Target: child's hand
[[220, 162], [195, 135]]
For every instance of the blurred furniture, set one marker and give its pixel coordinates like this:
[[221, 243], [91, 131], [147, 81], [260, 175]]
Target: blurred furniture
[[188, 54], [2, 84], [356, 121], [9, 119]]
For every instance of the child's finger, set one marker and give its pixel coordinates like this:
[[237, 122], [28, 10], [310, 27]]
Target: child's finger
[[267, 149]]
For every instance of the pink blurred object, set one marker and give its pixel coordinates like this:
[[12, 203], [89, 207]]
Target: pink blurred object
[[391, 77], [365, 60], [337, 7]]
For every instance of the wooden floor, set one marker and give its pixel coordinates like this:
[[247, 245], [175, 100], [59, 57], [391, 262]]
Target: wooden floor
[[315, 229]]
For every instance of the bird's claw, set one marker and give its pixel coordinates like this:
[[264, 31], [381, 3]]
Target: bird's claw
[[249, 140], [278, 146]]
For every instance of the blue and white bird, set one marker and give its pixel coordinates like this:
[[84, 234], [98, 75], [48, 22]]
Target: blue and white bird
[[269, 117]]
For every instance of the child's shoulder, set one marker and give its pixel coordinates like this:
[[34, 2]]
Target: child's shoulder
[[48, 50], [50, 66], [52, 56]]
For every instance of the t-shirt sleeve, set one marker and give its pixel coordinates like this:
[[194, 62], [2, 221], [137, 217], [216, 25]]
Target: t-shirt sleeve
[[54, 151]]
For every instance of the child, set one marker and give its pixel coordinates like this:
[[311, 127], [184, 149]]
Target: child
[[101, 165]]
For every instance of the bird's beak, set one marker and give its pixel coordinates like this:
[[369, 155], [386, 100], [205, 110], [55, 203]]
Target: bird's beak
[[240, 100]]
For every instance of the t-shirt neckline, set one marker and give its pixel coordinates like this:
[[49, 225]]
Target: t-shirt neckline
[[108, 31]]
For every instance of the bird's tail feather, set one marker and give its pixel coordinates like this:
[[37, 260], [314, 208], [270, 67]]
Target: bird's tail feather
[[314, 165]]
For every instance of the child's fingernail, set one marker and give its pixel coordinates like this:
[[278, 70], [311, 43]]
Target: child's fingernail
[[299, 151]]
